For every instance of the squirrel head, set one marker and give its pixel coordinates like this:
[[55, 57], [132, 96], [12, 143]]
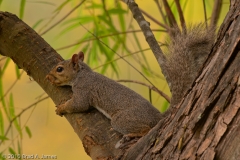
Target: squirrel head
[[65, 72]]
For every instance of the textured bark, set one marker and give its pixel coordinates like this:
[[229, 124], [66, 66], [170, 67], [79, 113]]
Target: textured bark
[[31, 53], [205, 125]]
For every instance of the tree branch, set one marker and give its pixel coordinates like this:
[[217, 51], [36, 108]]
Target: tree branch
[[205, 125], [37, 58], [150, 38]]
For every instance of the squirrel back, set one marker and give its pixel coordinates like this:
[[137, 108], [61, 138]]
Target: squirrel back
[[187, 52]]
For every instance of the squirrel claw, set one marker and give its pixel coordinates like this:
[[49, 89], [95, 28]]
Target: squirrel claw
[[58, 112]]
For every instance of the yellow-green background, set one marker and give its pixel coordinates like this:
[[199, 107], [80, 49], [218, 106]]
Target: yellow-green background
[[52, 135]]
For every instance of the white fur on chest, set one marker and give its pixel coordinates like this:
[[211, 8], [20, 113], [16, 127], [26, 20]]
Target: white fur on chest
[[103, 112]]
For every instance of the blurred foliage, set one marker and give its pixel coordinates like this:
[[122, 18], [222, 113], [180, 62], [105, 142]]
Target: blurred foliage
[[106, 23]]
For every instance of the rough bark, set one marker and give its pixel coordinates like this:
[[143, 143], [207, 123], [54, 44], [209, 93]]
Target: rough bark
[[203, 126]]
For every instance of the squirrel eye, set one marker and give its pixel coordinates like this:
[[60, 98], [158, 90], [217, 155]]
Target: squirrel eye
[[59, 69]]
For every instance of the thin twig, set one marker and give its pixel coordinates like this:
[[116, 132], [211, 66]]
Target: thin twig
[[205, 13], [149, 36], [161, 11], [106, 11], [181, 16], [9, 89], [154, 20], [3, 58], [54, 25], [120, 58], [112, 34], [150, 87], [171, 18], [216, 13], [150, 95], [49, 21], [25, 109]]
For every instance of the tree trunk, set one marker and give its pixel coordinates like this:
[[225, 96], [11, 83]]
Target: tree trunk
[[203, 126]]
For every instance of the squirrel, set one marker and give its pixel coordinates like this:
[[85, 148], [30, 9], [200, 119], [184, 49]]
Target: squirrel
[[186, 53], [130, 114]]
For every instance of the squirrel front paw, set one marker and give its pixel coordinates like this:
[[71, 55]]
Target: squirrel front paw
[[60, 110]]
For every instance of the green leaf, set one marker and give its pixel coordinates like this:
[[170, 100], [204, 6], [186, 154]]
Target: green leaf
[[28, 131], [11, 151], [69, 28], [92, 58], [19, 148], [117, 11], [18, 74], [5, 66], [165, 106], [82, 20], [43, 2], [11, 106], [121, 18], [1, 2], [22, 6], [61, 6], [2, 98], [1, 123], [109, 56], [3, 156], [145, 70], [112, 29], [140, 48], [12, 114], [3, 138], [94, 6], [85, 48]]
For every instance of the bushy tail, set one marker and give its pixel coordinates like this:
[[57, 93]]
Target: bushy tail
[[187, 51]]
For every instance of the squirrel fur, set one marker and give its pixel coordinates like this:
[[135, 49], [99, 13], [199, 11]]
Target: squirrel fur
[[187, 52], [130, 113]]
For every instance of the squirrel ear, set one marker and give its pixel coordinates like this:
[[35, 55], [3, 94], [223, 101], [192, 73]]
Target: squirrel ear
[[75, 59], [81, 55]]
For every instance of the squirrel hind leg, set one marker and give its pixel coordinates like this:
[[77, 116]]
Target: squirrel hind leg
[[128, 140], [143, 132], [130, 125]]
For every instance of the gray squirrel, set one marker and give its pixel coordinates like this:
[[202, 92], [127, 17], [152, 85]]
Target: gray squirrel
[[130, 114]]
